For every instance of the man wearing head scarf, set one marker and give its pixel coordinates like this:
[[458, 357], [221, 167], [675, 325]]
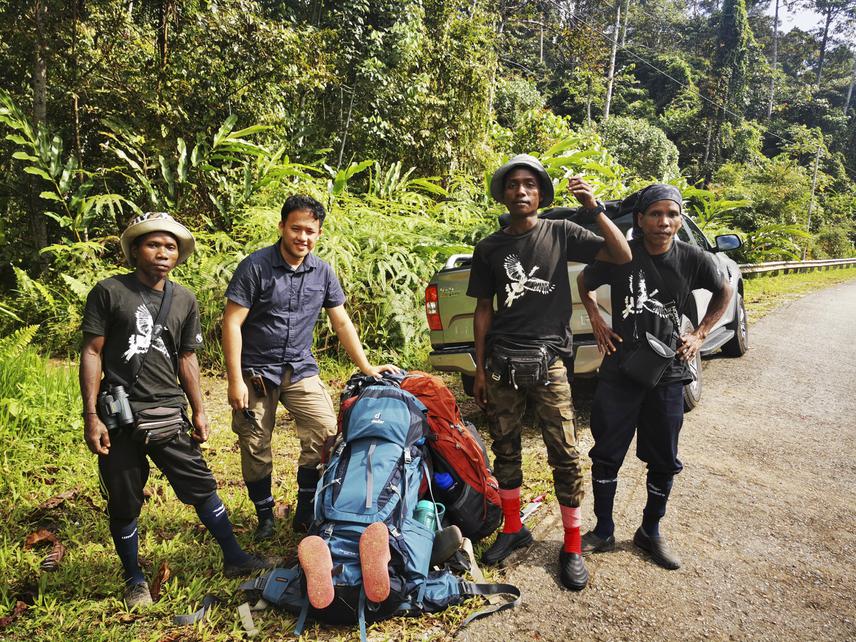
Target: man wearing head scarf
[[138, 369], [644, 370], [525, 267]]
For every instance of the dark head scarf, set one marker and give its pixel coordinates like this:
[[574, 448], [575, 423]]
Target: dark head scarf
[[658, 192]]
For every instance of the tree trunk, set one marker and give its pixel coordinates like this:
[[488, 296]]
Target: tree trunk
[[709, 152], [626, 19], [39, 81], [611, 76], [75, 100], [775, 61], [347, 127], [850, 87], [39, 85], [823, 44], [588, 102], [166, 11], [163, 34], [811, 198]]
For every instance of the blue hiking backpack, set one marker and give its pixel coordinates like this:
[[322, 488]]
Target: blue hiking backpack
[[373, 474]]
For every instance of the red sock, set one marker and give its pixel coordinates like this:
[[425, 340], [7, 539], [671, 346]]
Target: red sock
[[571, 524], [511, 509]]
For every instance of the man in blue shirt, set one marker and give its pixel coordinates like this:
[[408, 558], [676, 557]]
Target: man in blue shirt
[[273, 302]]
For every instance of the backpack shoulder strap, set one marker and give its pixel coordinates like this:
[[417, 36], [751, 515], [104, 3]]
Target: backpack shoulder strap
[[471, 588]]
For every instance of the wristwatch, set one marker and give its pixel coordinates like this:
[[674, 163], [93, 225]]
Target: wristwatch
[[589, 215]]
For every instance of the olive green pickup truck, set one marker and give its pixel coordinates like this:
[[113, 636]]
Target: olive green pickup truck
[[450, 310]]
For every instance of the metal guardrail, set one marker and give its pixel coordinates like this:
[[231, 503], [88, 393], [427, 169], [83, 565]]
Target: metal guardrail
[[784, 267], [750, 269]]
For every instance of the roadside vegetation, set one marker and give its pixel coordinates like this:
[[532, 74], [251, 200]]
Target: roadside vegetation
[[764, 294]]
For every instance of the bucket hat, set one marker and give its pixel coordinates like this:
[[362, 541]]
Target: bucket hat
[[157, 222], [497, 181]]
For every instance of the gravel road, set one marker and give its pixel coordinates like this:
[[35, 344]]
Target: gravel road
[[763, 515]]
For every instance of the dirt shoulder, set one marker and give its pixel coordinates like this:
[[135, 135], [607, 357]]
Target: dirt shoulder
[[763, 514]]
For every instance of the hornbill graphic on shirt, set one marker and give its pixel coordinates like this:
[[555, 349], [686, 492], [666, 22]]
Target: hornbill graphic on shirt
[[139, 343], [521, 282], [640, 299]]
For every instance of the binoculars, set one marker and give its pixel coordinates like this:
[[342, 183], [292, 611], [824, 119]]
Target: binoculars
[[114, 408]]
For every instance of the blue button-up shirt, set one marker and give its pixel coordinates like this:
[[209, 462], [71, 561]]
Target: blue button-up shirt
[[284, 305]]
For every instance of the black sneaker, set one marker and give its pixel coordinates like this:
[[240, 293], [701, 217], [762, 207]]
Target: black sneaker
[[265, 529], [657, 548], [593, 543], [252, 564], [572, 571], [138, 596], [505, 544]]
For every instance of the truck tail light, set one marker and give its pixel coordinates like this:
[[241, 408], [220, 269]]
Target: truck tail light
[[432, 308]]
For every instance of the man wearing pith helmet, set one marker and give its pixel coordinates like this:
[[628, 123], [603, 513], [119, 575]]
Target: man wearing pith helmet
[[138, 371], [522, 346]]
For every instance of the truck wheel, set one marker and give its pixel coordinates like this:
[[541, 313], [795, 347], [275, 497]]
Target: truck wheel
[[739, 344], [468, 383], [692, 391]]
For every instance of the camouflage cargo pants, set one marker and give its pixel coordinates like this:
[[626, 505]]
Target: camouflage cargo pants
[[555, 415]]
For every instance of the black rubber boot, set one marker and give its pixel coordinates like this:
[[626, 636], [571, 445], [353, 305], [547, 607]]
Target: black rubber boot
[[307, 480], [505, 544]]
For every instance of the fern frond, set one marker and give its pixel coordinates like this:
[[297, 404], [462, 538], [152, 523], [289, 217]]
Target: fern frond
[[13, 346]]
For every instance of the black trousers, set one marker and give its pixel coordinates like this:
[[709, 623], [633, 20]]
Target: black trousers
[[125, 471], [621, 408]]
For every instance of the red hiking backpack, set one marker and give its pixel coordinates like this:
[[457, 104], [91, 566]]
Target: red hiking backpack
[[472, 503]]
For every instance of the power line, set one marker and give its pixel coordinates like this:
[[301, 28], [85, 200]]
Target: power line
[[690, 88]]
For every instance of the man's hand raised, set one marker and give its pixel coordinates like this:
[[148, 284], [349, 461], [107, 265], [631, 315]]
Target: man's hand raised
[[582, 191]]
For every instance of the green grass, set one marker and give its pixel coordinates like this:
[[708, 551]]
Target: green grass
[[764, 293]]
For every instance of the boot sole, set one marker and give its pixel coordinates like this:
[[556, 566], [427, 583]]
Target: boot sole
[[313, 554], [374, 561]]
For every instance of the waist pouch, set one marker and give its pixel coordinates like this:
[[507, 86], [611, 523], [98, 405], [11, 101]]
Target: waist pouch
[[158, 425], [520, 366], [647, 361]]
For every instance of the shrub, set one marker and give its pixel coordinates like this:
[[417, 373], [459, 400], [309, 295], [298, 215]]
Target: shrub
[[514, 97], [832, 243], [641, 147]]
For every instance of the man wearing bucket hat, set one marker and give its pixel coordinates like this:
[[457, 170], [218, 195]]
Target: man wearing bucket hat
[[138, 370], [640, 388], [522, 347]]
